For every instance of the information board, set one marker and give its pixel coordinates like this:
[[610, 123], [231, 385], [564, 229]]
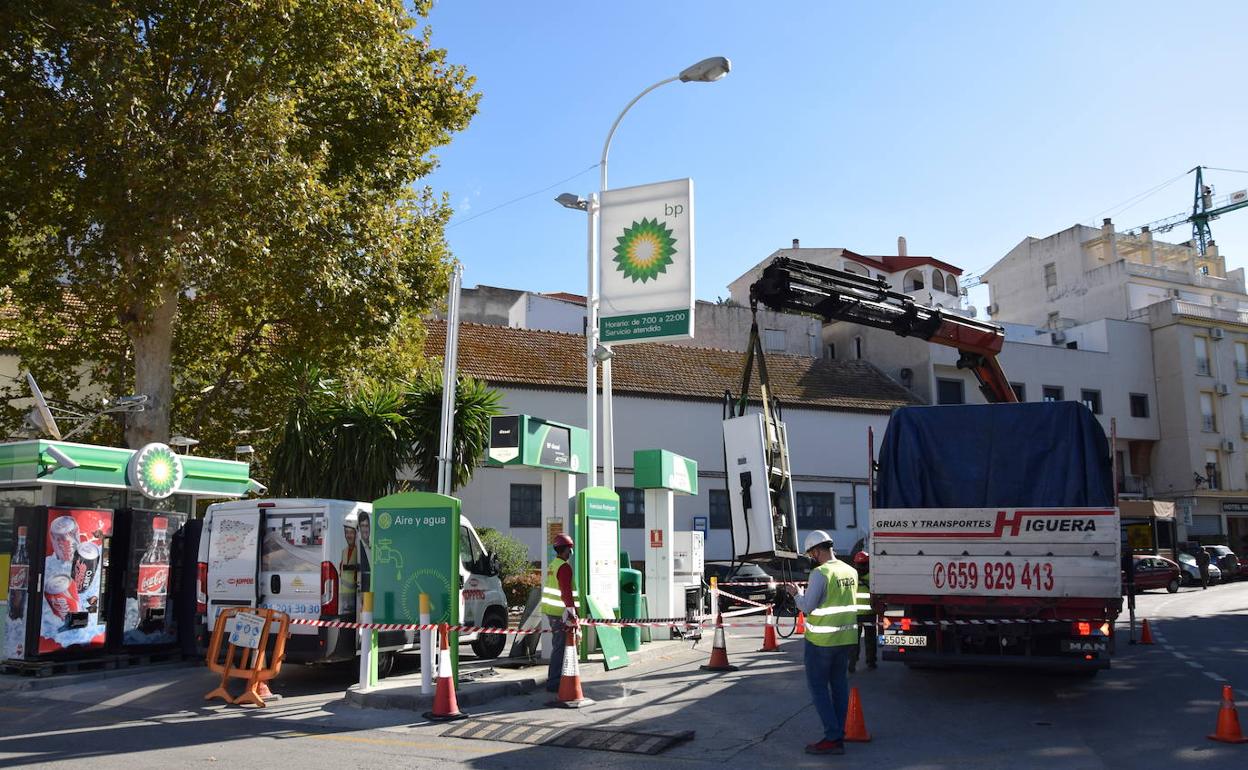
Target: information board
[[598, 518]]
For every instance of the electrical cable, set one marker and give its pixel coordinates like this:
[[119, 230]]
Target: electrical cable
[[522, 197]]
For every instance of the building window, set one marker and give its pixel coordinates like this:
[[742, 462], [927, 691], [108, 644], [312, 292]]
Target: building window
[[1139, 405], [913, 281], [1091, 399], [1243, 416], [526, 505], [1050, 275], [1020, 391], [1208, 418], [816, 510], [632, 507], [938, 281], [1054, 321], [950, 392], [1202, 355], [1241, 361], [831, 351], [858, 348], [720, 512], [774, 340], [1213, 469], [1052, 393]]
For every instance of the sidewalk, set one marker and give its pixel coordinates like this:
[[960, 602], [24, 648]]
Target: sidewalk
[[500, 680]]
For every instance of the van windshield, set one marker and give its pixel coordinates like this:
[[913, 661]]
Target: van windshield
[[292, 542]]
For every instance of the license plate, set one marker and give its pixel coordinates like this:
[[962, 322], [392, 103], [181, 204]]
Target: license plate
[[904, 641]]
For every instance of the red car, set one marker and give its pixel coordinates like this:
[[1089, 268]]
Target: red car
[[1155, 572]]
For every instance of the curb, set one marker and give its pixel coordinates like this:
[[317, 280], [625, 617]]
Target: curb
[[18, 683], [474, 694]]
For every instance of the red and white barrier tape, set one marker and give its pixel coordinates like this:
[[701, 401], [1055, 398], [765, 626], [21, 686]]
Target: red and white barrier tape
[[651, 622], [1005, 621]]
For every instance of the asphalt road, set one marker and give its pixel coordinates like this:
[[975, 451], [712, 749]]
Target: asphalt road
[[1152, 710]]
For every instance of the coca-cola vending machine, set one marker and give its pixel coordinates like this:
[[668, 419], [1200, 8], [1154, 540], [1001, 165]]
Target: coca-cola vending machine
[[57, 589], [143, 579]]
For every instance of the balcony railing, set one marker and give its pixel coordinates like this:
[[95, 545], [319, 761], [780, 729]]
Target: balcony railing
[[1129, 484], [1243, 424], [1202, 366], [1208, 424]]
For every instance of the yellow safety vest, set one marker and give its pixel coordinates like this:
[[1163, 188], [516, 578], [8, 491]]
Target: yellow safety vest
[[835, 621], [552, 597], [864, 595]]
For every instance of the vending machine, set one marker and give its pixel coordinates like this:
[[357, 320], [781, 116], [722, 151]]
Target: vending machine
[[143, 579], [57, 588]]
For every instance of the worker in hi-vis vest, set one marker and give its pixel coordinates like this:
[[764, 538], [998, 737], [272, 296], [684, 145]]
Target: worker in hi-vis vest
[[830, 602], [559, 606], [866, 615]]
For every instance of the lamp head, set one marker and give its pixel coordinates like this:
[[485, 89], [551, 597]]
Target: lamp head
[[572, 201], [706, 71], [60, 458]]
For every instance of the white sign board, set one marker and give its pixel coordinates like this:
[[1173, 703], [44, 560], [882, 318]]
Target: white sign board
[[247, 630], [1048, 552], [646, 255], [604, 567]]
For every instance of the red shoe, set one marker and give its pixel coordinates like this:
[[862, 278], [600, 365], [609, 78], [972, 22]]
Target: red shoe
[[826, 746]]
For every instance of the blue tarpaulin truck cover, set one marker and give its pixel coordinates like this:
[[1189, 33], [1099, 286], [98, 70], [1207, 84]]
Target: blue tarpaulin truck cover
[[1051, 454]]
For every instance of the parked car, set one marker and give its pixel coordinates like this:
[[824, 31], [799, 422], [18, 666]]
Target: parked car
[[748, 581], [1156, 572], [1226, 560], [1191, 570]]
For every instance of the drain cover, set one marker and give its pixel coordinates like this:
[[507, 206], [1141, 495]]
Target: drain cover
[[569, 736]]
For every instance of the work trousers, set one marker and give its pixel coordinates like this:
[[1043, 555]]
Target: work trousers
[[558, 643], [867, 629], [827, 676]]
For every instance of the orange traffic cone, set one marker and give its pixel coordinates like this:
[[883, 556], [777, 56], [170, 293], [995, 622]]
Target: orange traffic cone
[[855, 725], [719, 649], [445, 707], [1228, 720], [1146, 636], [570, 695], [769, 634], [801, 623]]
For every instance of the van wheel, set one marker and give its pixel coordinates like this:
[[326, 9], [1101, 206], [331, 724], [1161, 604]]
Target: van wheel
[[490, 646], [385, 664], [1173, 586]]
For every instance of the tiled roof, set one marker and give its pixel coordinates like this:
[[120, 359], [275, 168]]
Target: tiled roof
[[554, 360], [576, 299]]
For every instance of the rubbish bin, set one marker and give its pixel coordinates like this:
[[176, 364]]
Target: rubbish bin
[[630, 606]]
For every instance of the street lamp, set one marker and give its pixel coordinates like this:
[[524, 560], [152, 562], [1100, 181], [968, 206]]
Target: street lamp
[[705, 71]]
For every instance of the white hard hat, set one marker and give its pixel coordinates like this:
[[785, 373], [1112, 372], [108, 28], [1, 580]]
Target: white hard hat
[[816, 538]]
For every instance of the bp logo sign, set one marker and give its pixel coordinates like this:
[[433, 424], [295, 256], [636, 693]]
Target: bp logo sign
[[644, 250], [156, 471]]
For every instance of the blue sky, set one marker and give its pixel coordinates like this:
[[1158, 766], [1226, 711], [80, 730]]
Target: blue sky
[[964, 126]]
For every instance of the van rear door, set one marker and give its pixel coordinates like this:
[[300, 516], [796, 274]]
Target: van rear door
[[290, 563], [233, 559]]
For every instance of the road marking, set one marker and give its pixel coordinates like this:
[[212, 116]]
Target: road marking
[[1214, 676], [1178, 655], [1193, 664]]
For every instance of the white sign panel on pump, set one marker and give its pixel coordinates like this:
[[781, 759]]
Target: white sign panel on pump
[[646, 255]]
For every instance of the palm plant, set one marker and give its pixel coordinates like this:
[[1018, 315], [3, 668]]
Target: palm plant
[[475, 404]]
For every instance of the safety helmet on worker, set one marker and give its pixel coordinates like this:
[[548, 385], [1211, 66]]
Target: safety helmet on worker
[[563, 541], [862, 557], [816, 539]]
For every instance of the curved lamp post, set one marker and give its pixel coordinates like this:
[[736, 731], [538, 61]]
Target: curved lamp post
[[705, 71]]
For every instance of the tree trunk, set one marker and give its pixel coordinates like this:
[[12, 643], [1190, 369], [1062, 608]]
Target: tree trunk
[[152, 339]]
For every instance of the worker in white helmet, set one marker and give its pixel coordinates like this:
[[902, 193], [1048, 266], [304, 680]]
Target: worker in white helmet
[[831, 607]]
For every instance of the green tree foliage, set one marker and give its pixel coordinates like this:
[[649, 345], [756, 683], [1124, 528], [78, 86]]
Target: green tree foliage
[[515, 570], [353, 441], [475, 404], [194, 190]]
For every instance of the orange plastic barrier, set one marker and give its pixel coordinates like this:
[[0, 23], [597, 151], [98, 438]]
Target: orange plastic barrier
[[251, 664]]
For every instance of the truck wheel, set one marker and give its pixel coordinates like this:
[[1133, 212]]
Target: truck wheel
[[490, 646], [1173, 586]]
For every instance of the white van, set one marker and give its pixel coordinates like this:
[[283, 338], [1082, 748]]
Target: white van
[[301, 557]]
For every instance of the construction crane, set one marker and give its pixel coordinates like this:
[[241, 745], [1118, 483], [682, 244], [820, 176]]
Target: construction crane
[[1204, 210], [790, 285]]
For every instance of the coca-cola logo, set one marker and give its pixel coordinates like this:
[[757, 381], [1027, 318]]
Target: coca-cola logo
[[152, 581], [17, 576]]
